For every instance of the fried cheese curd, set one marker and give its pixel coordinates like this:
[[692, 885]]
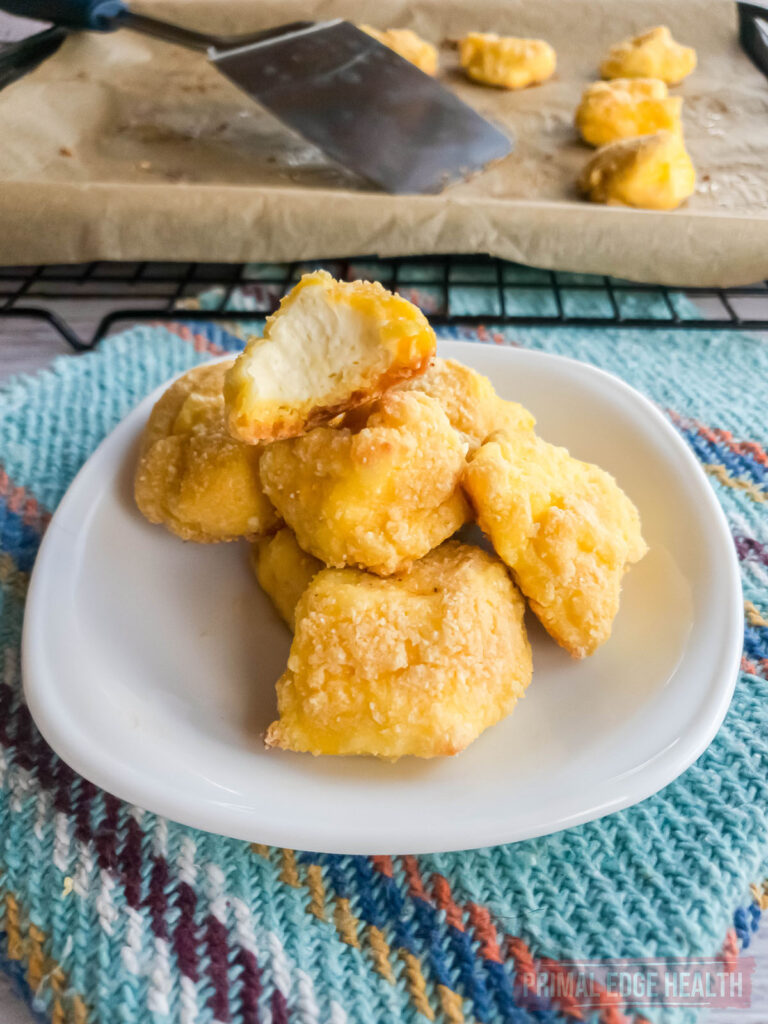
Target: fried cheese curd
[[408, 45], [469, 400], [652, 54], [284, 571], [565, 529], [332, 345], [377, 498], [418, 663], [625, 108], [192, 476], [506, 61], [653, 172]]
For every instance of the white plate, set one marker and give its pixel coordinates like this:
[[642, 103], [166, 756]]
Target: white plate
[[149, 664]]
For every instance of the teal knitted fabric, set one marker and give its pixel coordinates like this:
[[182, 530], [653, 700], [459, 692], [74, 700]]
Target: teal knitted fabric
[[111, 914]]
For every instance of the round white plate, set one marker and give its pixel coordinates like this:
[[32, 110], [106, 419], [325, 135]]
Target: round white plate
[[150, 664]]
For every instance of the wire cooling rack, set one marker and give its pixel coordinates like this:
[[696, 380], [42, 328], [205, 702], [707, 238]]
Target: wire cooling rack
[[452, 290]]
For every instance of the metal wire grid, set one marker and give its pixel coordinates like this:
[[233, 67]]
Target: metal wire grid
[[468, 290]]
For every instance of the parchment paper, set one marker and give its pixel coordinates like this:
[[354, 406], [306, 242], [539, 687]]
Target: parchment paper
[[122, 147]]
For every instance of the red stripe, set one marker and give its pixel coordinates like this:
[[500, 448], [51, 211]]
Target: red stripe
[[22, 503], [444, 900], [715, 435], [383, 865], [198, 341], [480, 919], [416, 888]]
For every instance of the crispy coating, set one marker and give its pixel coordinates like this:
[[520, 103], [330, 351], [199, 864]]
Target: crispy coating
[[505, 61], [654, 172], [625, 108], [652, 54], [331, 346], [284, 571], [469, 401], [418, 664], [565, 529], [408, 45], [192, 476], [378, 498]]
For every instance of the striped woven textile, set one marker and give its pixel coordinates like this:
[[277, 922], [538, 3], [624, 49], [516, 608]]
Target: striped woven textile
[[112, 914]]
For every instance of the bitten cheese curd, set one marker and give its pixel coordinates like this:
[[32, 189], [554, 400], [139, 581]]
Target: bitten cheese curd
[[332, 345]]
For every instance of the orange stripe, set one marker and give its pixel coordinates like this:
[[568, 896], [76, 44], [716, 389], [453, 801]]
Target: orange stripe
[[480, 919], [444, 900], [413, 876], [383, 865], [198, 341], [22, 503]]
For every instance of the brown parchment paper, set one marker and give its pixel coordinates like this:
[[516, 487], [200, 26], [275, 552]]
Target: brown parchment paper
[[122, 147]]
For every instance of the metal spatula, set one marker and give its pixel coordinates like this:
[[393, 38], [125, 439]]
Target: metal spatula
[[366, 107]]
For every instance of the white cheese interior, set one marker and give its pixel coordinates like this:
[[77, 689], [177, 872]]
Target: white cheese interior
[[312, 349]]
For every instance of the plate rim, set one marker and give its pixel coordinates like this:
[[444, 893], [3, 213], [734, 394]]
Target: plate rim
[[88, 760]]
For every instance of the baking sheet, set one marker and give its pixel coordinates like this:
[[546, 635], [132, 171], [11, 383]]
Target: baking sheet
[[123, 147]]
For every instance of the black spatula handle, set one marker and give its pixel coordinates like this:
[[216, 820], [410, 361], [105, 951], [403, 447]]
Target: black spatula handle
[[753, 33], [96, 15]]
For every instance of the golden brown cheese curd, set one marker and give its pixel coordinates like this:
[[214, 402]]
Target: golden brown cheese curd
[[415, 664], [284, 571], [469, 400], [625, 108], [331, 346], [408, 45], [192, 476], [506, 61], [565, 529], [653, 172], [378, 498], [652, 54]]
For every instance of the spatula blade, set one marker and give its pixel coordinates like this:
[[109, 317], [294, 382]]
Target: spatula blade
[[366, 107]]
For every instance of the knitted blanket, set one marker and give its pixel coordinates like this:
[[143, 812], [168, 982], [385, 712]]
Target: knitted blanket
[[113, 914]]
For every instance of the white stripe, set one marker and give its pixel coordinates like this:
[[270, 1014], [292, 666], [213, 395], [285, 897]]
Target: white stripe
[[131, 951], [280, 969], [82, 877], [21, 786], [188, 1009], [160, 980], [216, 897], [338, 1013], [61, 842], [105, 906], [307, 1004], [244, 926], [186, 861], [43, 815], [160, 837]]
